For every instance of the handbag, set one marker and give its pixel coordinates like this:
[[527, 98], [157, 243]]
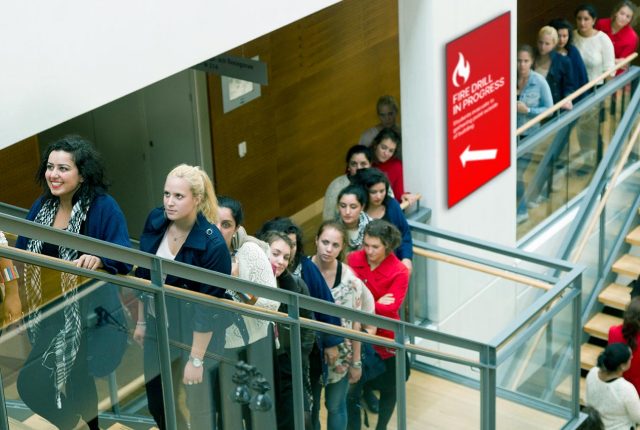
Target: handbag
[[372, 365], [107, 329]]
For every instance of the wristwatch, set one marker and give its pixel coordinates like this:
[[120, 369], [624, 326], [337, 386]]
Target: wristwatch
[[196, 362]]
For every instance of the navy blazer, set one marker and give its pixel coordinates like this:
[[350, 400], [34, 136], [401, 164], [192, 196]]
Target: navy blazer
[[318, 288], [204, 247], [105, 221], [560, 77], [393, 213], [579, 70]]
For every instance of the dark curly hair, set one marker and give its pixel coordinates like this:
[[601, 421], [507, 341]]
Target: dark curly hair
[[613, 356], [87, 160], [367, 178]]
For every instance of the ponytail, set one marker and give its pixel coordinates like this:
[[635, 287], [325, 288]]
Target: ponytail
[[201, 187]]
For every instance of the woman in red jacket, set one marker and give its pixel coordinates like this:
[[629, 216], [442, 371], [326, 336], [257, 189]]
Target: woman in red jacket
[[388, 280], [629, 333], [619, 28]]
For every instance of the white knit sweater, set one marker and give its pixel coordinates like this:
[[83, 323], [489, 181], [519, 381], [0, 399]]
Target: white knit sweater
[[616, 400]]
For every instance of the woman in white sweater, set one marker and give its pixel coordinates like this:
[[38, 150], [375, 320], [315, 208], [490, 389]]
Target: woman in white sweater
[[250, 342], [607, 391], [595, 47]]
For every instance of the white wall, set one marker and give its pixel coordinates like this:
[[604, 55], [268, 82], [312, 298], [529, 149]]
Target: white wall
[[460, 301], [61, 59]]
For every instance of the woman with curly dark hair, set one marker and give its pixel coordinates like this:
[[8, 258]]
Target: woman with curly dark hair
[[56, 380], [629, 333]]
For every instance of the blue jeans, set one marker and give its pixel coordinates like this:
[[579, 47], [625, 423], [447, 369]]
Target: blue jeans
[[335, 399]]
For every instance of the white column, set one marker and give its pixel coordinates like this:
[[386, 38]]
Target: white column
[[456, 297]]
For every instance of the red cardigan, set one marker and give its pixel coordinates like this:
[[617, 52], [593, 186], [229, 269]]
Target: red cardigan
[[633, 374], [393, 169], [391, 276], [625, 41]]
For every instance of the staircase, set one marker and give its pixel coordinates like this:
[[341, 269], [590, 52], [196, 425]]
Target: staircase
[[615, 298]]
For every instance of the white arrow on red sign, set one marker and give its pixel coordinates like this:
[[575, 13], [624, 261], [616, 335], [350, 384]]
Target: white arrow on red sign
[[478, 155]]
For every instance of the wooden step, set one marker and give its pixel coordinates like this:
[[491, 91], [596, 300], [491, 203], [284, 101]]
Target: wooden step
[[616, 296], [598, 326], [634, 237], [589, 355], [627, 265], [564, 389]]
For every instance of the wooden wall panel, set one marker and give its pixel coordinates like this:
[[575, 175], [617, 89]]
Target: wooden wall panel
[[325, 74], [18, 165]]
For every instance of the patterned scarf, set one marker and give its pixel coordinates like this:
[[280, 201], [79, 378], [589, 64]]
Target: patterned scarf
[[63, 348], [363, 220]]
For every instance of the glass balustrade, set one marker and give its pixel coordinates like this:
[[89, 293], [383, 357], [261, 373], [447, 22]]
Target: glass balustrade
[[557, 162]]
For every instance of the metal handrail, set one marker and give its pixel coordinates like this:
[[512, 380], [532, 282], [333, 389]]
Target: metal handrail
[[579, 249], [577, 93], [568, 117], [486, 360]]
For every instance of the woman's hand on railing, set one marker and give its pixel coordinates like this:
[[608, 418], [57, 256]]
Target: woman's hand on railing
[[90, 262], [408, 199], [521, 107]]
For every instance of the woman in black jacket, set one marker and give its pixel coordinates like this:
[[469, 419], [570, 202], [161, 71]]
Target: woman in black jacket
[[555, 67], [184, 230], [280, 247]]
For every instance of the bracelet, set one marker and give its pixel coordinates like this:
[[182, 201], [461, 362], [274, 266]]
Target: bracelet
[[9, 274], [141, 323], [356, 364]]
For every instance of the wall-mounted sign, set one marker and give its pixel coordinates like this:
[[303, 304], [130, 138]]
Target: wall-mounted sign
[[478, 107], [246, 69]]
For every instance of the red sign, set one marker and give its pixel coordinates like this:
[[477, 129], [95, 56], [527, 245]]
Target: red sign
[[478, 106]]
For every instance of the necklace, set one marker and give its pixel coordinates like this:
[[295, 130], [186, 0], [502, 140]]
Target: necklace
[[177, 237]]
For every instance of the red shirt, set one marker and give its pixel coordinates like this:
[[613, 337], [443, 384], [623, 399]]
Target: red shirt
[[625, 41], [391, 276], [633, 374], [393, 169]]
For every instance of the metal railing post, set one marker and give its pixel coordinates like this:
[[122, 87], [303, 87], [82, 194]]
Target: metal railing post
[[162, 330], [577, 340], [401, 376], [4, 416], [488, 390], [295, 341]]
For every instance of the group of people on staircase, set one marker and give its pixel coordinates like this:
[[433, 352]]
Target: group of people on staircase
[[363, 261]]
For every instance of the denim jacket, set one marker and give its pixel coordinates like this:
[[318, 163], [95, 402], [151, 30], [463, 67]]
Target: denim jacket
[[537, 96]]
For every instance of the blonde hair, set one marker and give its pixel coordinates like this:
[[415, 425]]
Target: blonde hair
[[547, 30], [201, 188]]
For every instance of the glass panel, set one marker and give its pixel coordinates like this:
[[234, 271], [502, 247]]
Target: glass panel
[[104, 370], [561, 166], [539, 374]]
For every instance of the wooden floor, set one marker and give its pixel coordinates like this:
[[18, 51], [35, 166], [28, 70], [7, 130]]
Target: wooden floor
[[435, 403]]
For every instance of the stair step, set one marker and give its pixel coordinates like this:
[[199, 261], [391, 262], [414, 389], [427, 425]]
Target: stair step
[[634, 237], [589, 355], [616, 296], [564, 389], [627, 265], [598, 326]]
